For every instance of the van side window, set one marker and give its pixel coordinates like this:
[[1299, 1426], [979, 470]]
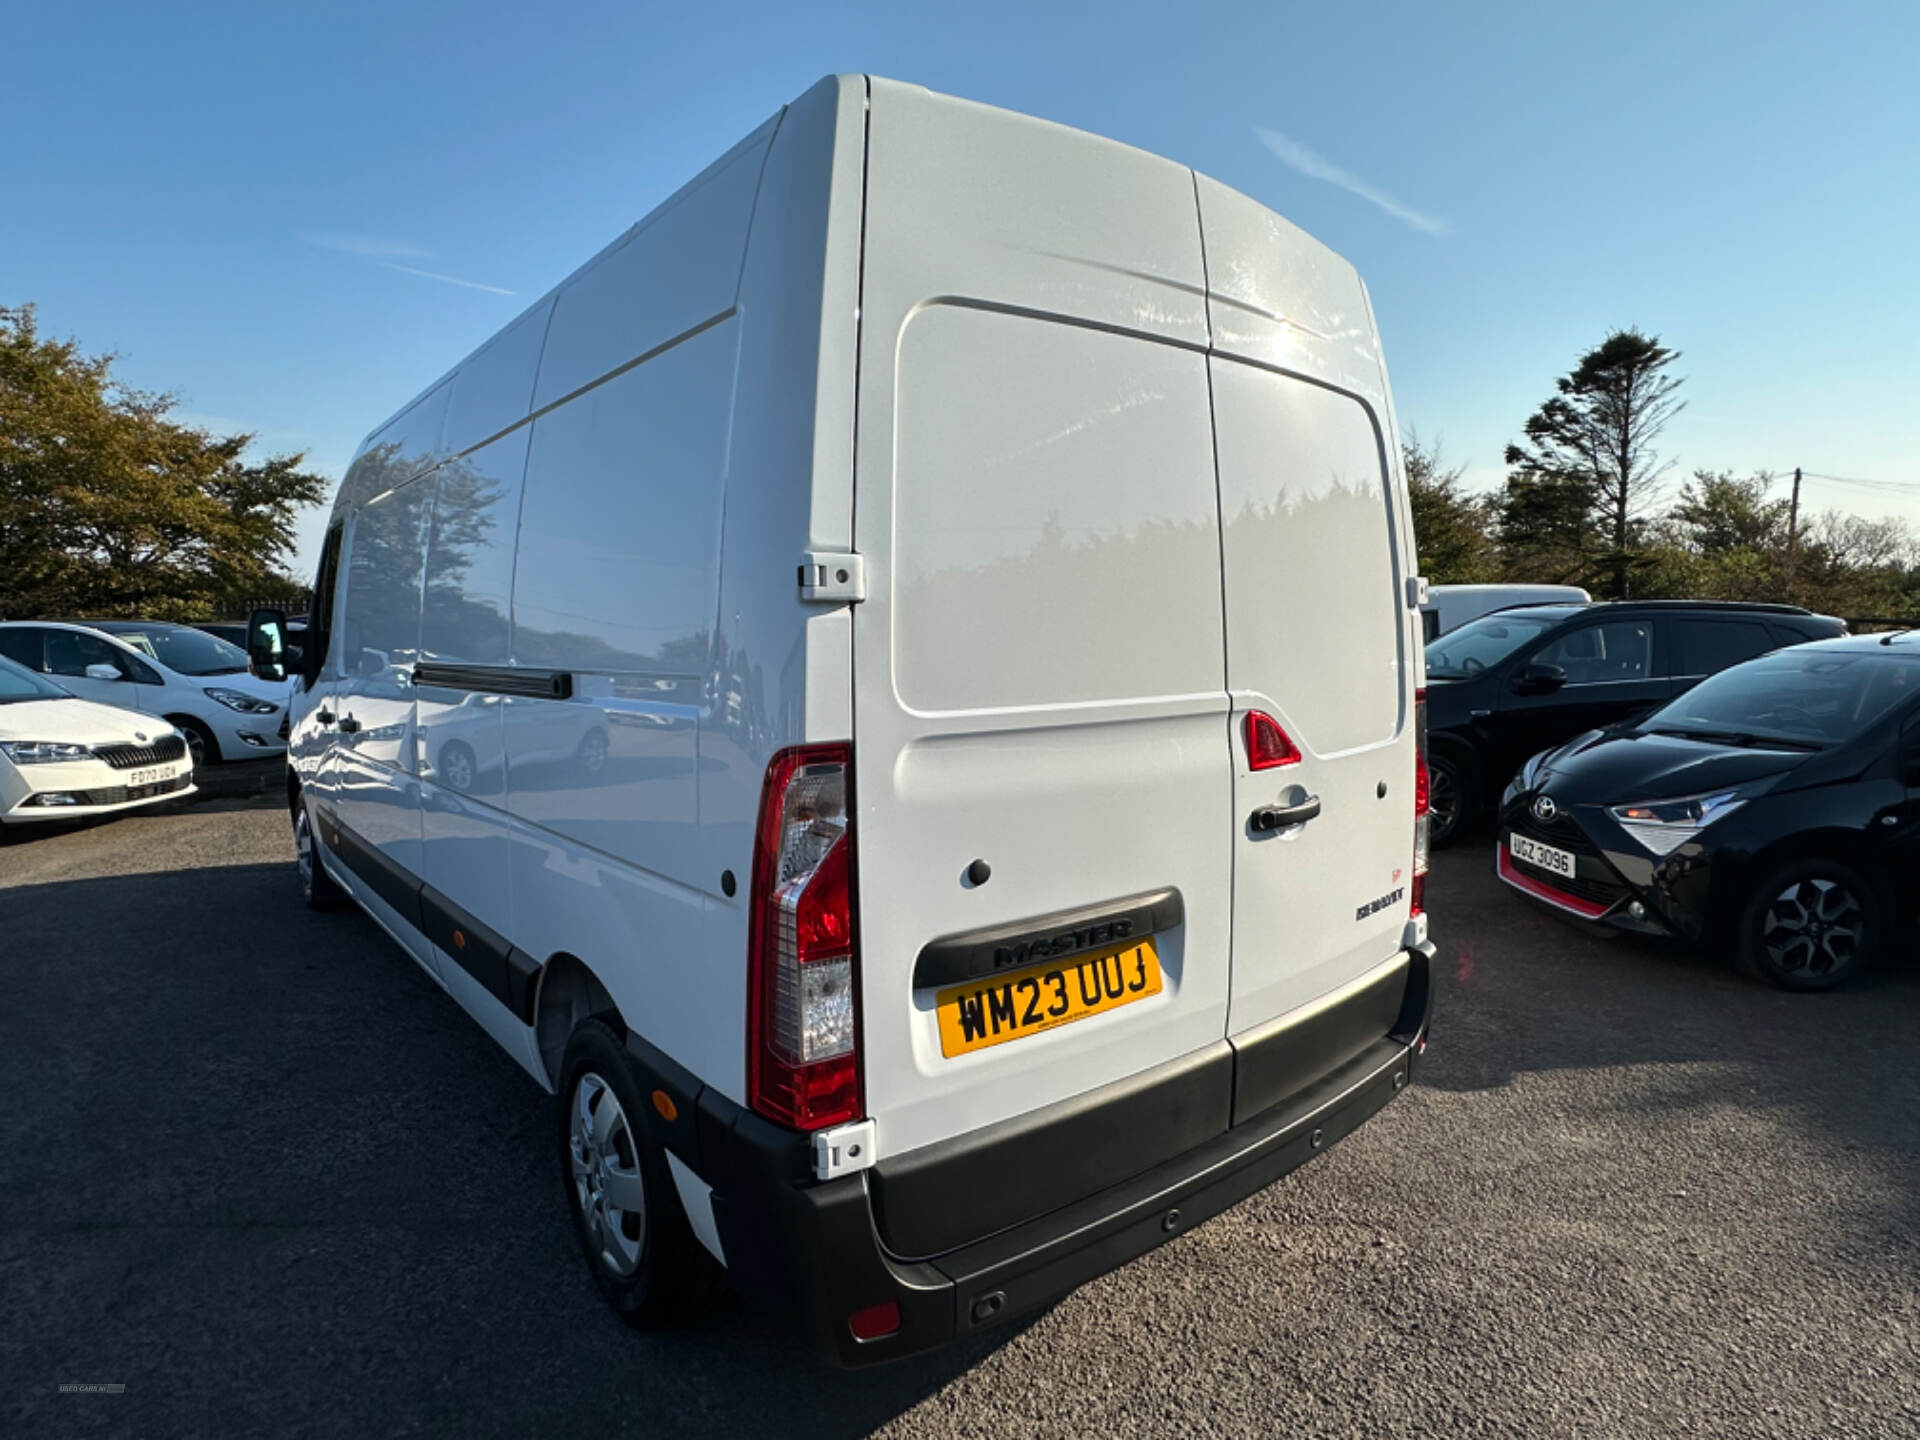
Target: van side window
[[1602, 654], [381, 628]]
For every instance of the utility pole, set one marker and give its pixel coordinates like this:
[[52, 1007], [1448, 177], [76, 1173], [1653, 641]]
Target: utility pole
[[1793, 518], [1793, 539]]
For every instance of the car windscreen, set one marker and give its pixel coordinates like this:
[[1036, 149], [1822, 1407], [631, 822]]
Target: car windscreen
[[19, 683], [184, 650], [1805, 698], [1484, 642]]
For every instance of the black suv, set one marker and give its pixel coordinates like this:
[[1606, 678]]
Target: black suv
[[1506, 686]]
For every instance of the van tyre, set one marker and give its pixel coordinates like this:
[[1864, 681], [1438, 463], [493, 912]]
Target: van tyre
[[626, 1209], [317, 887], [1450, 800], [1810, 924]]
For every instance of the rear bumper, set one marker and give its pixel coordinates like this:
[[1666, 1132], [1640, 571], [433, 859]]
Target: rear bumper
[[816, 1246]]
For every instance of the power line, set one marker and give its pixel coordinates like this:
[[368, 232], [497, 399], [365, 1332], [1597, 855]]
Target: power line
[[1891, 486]]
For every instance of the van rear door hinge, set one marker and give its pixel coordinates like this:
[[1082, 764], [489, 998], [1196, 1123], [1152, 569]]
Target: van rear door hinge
[[1417, 592], [832, 578]]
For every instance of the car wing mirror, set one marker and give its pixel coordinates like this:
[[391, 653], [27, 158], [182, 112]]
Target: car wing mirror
[[100, 670], [267, 644], [1539, 678]]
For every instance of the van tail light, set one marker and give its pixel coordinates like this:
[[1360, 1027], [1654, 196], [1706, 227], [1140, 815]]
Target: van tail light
[[1422, 802], [803, 1018], [1268, 746]]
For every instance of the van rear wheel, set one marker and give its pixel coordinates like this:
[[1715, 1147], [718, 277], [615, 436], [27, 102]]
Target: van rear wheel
[[626, 1210]]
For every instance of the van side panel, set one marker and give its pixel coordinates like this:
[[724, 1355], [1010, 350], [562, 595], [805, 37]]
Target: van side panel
[[779, 671], [618, 576], [678, 269], [615, 586]]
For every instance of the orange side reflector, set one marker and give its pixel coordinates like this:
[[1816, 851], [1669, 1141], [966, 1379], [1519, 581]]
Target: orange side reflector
[[663, 1102], [459, 940]]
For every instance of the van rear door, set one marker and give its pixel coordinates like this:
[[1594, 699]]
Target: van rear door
[[1039, 668], [1320, 638]]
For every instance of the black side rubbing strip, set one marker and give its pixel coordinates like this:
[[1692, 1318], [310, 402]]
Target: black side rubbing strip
[[389, 881], [496, 680], [955, 958]]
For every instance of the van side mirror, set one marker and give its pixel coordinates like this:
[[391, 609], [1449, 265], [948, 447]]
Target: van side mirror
[[100, 670], [1539, 678], [267, 644]]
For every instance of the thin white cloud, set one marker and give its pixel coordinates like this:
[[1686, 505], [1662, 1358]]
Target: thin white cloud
[[389, 253], [369, 248], [447, 279], [1293, 154]]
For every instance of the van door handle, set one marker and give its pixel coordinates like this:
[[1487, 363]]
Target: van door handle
[[1269, 818], [349, 725]]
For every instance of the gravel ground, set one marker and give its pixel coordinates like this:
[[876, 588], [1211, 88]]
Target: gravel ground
[[259, 1171]]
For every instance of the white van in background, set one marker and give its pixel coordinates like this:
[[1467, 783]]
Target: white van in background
[[894, 691], [1448, 607]]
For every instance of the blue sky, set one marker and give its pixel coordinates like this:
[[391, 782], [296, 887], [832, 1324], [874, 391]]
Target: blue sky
[[295, 217]]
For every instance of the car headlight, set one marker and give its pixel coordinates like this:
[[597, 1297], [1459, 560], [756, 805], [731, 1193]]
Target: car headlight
[[244, 703], [1663, 826], [43, 752]]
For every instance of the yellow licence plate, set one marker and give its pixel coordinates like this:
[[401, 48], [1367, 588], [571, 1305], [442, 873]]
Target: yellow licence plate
[[1044, 997]]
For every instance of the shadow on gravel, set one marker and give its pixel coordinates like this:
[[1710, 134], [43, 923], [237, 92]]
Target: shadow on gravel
[[1522, 990], [264, 1174]]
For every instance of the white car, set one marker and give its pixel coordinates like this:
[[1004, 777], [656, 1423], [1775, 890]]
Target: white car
[[181, 676], [62, 758]]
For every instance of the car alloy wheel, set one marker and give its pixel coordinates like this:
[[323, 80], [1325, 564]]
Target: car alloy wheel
[[456, 767], [1446, 793], [1813, 929], [606, 1176]]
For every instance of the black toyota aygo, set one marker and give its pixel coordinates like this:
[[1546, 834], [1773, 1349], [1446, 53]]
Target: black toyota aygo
[[1771, 813]]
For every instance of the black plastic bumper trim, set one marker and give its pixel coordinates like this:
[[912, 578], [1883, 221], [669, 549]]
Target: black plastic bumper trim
[[940, 1197], [1273, 1062], [814, 1245], [952, 959]]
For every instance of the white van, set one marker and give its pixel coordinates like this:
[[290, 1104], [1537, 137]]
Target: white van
[[893, 691], [1448, 607]]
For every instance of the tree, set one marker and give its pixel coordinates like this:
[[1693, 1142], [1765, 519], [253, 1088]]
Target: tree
[[108, 507], [1452, 529], [1718, 512], [1595, 437]]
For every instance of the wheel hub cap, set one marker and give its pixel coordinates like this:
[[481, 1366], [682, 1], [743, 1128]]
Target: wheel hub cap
[[605, 1160]]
